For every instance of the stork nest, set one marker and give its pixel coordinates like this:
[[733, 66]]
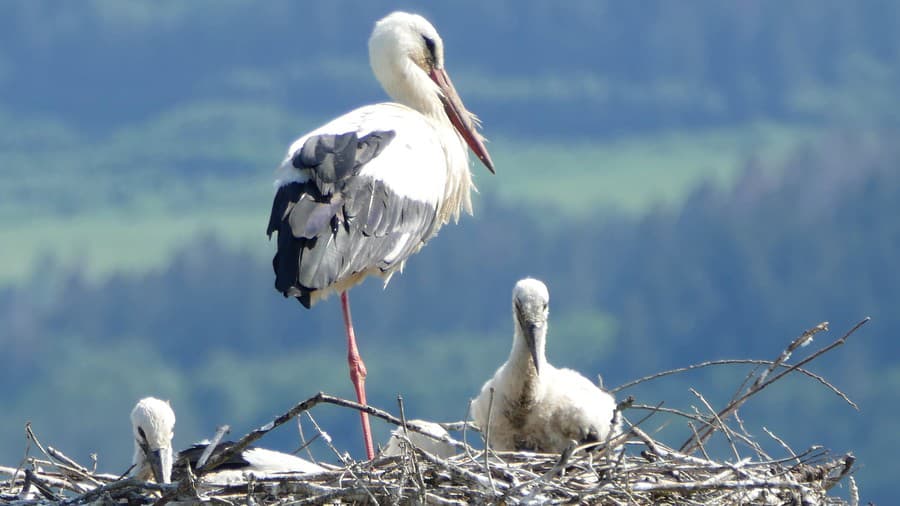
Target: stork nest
[[632, 468]]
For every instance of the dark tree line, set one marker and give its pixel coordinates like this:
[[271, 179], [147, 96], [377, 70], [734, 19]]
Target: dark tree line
[[812, 240]]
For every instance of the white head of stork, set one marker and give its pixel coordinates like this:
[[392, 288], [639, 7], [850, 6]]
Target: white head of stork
[[535, 406], [153, 423], [407, 57], [362, 193]]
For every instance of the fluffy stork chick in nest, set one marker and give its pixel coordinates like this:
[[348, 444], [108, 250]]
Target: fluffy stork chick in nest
[[153, 423], [537, 407], [421, 441]]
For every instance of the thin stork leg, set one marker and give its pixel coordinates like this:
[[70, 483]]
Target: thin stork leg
[[357, 374]]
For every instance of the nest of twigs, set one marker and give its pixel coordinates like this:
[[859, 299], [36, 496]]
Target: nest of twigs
[[632, 468]]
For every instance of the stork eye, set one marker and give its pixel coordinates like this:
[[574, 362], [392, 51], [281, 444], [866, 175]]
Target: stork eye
[[544, 307], [429, 43]]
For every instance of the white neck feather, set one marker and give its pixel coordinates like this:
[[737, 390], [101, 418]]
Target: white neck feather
[[520, 354], [411, 86], [524, 377]]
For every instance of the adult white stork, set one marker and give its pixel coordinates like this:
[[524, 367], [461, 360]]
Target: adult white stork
[[536, 406], [153, 424], [365, 191]]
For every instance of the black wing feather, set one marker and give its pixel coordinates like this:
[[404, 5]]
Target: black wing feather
[[338, 223], [189, 457]]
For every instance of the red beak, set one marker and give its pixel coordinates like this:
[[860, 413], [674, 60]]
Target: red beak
[[460, 117]]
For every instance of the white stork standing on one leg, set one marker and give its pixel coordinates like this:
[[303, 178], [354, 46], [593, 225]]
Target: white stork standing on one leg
[[362, 193]]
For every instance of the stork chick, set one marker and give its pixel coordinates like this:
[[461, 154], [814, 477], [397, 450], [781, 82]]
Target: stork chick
[[153, 423], [421, 441], [251, 460], [536, 406]]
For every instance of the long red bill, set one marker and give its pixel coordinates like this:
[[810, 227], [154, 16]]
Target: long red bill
[[460, 117]]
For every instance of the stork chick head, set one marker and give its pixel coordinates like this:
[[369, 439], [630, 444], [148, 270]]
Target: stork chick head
[[530, 314], [153, 423]]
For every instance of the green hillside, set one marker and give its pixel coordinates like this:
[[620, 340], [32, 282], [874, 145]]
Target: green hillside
[[127, 201]]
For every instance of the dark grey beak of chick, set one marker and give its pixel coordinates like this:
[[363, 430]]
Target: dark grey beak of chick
[[161, 464], [530, 332]]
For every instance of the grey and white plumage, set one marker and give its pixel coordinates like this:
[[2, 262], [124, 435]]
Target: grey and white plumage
[[254, 460], [360, 194], [537, 406], [153, 422], [433, 446], [153, 425]]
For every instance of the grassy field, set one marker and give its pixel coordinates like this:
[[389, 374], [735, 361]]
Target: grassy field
[[103, 222], [632, 174]]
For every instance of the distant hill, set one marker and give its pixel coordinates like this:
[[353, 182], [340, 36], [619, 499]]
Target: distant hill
[[576, 69]]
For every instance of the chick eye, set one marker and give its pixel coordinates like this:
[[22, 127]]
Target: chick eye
[[545, 306], [145, 446]]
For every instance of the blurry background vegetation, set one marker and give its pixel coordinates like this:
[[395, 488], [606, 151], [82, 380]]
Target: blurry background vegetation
[[693, 180]]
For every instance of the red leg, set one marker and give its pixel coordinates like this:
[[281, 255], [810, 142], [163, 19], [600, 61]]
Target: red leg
[[357, 374]]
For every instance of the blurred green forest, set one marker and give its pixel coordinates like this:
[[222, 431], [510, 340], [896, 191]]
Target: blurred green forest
[[693, 180]]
